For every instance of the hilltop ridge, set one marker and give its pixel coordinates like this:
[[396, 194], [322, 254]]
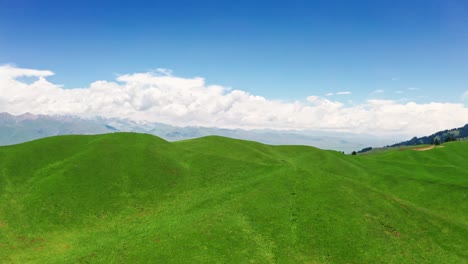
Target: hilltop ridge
[[26, 127]]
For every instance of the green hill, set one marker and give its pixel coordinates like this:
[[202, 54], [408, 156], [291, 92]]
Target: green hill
[[460, 133], [135, 198]]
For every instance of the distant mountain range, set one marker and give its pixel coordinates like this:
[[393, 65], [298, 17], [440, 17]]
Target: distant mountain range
[[460, 133], [21, 128], [26, 127]]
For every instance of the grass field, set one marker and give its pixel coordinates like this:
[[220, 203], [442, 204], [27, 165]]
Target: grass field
[[134, 198]]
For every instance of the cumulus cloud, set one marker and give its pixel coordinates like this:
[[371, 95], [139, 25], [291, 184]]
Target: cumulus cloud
[[159, 96]]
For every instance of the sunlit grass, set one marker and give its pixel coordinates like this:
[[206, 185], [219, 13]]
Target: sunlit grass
[[133, 198]]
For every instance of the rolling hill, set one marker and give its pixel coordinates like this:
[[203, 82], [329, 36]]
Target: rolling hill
[[16, 129], [136, 198]]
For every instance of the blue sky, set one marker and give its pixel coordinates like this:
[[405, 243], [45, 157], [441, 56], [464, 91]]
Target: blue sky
[[387, 67], [278, 49]]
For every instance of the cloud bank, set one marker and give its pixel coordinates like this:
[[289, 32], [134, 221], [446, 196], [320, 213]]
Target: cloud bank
[[161, 97]]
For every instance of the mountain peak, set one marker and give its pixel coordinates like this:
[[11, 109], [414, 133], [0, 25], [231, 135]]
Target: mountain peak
[[27, 116]]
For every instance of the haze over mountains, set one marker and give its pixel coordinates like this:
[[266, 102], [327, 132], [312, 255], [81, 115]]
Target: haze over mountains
[[26, 127]]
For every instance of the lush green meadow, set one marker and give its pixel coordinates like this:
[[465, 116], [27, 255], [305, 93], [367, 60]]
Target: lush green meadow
[[134, 198]]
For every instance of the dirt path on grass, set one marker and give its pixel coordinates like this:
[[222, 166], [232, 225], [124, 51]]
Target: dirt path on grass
[[427, 148]]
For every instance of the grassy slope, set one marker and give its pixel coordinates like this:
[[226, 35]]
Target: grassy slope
[[132, 198]]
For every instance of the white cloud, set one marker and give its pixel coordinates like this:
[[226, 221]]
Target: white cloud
[[378, 91], [338, 93], [413, 88], [164, 71], [395, 79], [465, 96], [399, 92], [9, 72], [343, 93], [159, 96]]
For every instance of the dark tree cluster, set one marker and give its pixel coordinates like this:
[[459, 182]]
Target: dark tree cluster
[[450, 138], [365, 150]]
